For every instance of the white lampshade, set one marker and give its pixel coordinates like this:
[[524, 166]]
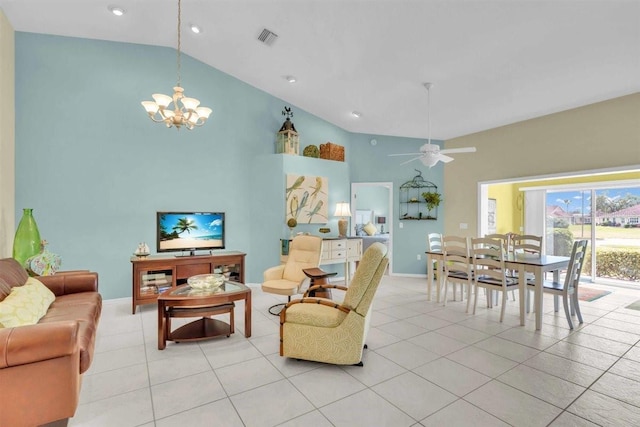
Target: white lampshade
[[150, 106], [190, 103], [162, 100], [193, 117], [169, 114], [342, 209], [204, 112]]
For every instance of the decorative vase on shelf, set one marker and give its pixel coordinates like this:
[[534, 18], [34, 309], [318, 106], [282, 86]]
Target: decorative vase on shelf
[[27, 240]]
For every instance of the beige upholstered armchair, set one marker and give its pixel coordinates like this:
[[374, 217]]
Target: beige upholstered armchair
[[323, 331], [287, 279]]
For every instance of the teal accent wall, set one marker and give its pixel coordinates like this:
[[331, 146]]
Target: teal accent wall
[[269, 224], [95, 169]]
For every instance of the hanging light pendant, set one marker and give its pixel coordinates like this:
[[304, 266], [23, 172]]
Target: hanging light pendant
[[186, 111]]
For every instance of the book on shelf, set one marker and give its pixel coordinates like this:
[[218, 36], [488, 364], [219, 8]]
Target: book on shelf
[[155, 282], [153, 276], [163, 288]]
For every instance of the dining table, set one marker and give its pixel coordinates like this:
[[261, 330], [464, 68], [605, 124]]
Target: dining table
[[523, 263]]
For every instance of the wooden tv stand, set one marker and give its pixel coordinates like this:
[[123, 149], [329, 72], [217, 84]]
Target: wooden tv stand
[[154, 274]]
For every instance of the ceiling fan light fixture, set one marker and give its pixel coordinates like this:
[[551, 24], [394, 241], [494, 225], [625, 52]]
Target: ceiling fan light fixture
[[429, 160], [195, 29], [430, 154], [118, 11]]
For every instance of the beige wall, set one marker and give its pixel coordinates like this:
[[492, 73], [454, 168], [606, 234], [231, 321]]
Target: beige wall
[[7, 137], [597, 136]]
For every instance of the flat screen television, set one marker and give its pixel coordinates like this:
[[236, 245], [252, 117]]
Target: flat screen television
[[190, 231]]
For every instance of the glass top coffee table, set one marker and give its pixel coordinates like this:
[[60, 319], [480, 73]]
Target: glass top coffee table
[[186, 301]]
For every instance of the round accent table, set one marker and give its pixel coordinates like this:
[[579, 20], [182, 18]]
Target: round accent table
[[185, 301]]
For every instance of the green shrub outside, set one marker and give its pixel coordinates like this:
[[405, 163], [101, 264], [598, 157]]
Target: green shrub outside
[[623, 264], [560, 223], [562, 241]]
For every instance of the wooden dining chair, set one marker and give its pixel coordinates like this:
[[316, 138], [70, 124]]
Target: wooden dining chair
[[507, 248], [527, 244], [489, 270], [504, 238], [434, 243], [568, 289], [457, 267]]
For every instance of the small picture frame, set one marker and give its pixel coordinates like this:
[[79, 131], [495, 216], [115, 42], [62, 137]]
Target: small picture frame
[[491, 216]]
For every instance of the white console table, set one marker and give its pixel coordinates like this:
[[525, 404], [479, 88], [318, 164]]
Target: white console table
[[338, 251]]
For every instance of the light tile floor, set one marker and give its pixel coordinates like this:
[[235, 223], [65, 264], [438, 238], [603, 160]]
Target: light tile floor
[[426, 365]]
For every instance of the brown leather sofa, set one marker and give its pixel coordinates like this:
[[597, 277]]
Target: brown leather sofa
[[41, 365]]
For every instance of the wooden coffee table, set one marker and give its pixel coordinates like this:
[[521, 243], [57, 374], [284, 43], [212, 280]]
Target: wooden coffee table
[[184, 301]]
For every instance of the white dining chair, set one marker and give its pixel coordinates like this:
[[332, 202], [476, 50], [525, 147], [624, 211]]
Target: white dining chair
[[489, 271], [568, 288], [523, 245], [434, 243], [506, 243], [457, 267]]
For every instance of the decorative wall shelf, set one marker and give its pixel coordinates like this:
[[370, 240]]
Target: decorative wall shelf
[[412, 204]]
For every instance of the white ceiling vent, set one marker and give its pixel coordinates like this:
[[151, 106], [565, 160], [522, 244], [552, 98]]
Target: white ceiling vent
[[267, 37]]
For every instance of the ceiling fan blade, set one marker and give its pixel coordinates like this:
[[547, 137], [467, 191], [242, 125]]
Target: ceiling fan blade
[[459, 150], [409, 161], [406, 154], [443, 158]]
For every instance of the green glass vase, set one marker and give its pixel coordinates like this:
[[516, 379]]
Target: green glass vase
[[27, 241]]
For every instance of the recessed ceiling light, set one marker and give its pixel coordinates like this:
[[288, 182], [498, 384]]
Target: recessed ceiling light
[[195, 28], [356, 114], [118, 11], [291, 79]]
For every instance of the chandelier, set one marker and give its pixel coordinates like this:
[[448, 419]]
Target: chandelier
[[189, 114]]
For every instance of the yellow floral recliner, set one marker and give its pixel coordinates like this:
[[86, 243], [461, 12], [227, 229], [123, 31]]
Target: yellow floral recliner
[[323, 331]]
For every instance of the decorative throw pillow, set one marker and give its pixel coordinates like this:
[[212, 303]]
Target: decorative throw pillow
[[370, 229], [26, 304]]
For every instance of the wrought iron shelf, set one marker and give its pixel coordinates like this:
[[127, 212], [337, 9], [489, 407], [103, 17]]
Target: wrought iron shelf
[[413, 206]]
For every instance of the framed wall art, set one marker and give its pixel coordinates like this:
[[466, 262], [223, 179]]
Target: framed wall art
[[491, 216], [307, 199]]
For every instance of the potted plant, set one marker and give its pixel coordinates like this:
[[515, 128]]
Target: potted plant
[[432, 200]]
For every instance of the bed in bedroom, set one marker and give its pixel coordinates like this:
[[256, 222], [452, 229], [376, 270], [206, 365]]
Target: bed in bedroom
[[369, 240], [364, 217]]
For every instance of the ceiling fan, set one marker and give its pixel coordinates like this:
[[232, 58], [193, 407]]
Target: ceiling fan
[[430, 154]]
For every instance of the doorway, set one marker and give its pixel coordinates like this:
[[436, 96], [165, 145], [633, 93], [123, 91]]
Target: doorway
[[373, 202]]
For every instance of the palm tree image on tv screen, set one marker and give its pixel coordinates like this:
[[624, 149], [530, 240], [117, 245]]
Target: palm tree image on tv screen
[[190, 231]]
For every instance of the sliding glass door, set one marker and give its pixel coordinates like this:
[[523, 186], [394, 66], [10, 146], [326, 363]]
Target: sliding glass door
[[609, 218]]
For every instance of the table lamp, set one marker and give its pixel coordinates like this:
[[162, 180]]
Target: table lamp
[[342, 211], [382, 220]]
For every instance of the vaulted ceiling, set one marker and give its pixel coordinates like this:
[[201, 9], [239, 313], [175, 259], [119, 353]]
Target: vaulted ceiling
[[492, 62]]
